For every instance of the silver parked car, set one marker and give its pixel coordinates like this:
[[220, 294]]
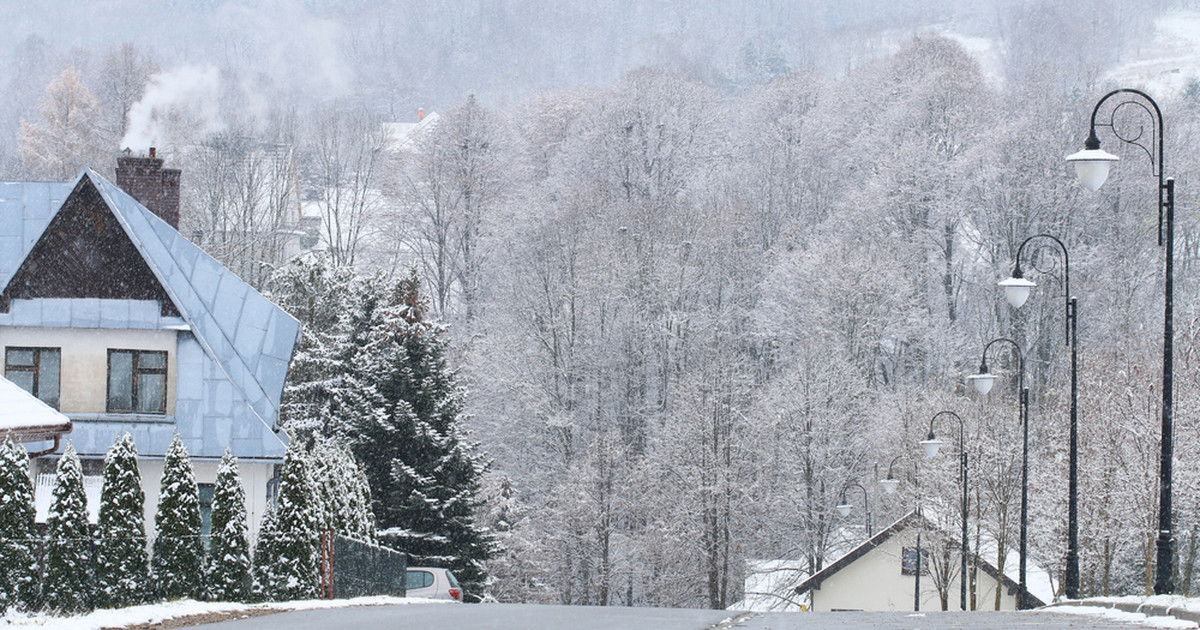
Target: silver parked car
[[432, 583]]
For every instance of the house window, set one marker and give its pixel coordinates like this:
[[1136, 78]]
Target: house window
[[908, 565], [137, 381], [35, 370]]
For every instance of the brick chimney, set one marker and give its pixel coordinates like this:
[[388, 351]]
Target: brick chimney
[[153, 186]]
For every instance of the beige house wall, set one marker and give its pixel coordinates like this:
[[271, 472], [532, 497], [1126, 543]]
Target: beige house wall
[[255, 476], [84, 380], [874, 582], [83, 388]]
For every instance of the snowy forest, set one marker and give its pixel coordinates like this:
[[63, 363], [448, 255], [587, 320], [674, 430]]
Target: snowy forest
[[697, 267]]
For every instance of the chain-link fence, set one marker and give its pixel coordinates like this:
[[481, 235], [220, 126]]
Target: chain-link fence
[[352, 568]]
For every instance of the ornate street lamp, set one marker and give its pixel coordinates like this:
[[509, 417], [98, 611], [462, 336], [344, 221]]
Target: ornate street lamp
[[983, 383], [1092, 165], [931, 445], [1016, 290], [844, 508]]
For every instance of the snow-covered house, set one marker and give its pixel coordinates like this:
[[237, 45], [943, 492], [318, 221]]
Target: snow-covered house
[[880, 575], [110, 316]]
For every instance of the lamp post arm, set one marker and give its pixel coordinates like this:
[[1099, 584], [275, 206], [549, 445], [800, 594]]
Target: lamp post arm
[[1070, 310], [1016, 351], [1154, 152]]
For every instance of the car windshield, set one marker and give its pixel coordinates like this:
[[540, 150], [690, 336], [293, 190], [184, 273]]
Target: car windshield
[[453, 582]]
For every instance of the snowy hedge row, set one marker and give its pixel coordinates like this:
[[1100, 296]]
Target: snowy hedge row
[[76, 567]]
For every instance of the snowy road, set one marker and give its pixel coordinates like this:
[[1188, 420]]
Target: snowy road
[[529, 617]]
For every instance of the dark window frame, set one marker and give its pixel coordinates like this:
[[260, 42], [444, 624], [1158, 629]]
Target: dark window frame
[[136, 370], [35, 369]]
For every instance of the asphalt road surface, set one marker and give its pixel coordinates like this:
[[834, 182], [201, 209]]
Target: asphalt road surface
[[531, 617]]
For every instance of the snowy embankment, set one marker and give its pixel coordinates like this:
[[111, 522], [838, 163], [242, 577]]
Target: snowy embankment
[[190, 612], [1159, 611]]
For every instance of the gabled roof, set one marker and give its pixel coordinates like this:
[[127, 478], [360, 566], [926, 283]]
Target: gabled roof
[[904, 522], [26, 418], [248, 336]]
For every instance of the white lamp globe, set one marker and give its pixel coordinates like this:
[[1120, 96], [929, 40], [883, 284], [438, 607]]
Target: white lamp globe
[[1016, 290], [1092, 165], [889, 485], [844, 509], [931, 446], [983, 382]]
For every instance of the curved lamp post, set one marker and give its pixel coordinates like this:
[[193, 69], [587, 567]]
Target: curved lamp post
[[1092, 165], [844, 508], [983, 382], [1016, 290], [931, 445]]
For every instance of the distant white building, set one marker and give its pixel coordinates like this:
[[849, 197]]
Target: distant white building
[[880, 575]]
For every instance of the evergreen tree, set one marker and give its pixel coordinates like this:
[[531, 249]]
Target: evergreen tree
[[229, 557], [265, 552], [423, 472], [18, 568], [287, 561], [67, 587], [319, 295], [122, 568], [178, 549], [342, 488]]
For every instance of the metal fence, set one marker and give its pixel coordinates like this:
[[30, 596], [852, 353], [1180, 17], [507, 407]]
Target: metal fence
[[353, 568]]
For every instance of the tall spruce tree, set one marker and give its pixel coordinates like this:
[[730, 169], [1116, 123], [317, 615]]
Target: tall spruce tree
[[229, 555], [122, 568], [423, 471], [178, 549], [286, 560], [68, 586], [18, 567]]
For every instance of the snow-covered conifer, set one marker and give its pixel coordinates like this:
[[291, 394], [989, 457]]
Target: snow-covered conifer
[[261, 570], [229, 554], [18, 567], [423, 470], [287, 561], [122, 568], [344, 496], [67, 587], [178, 549]]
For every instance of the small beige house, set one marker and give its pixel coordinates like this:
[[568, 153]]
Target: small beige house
[[880, 575]]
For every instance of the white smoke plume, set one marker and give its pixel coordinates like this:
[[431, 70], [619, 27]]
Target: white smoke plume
[[185, 98]]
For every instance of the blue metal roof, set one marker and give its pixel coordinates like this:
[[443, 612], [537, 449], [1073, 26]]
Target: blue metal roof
[[248, 339]]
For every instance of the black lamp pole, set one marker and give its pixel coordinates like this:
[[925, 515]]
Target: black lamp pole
[[962, 468], [1163, 581], [1023, 416], [1071, 581]]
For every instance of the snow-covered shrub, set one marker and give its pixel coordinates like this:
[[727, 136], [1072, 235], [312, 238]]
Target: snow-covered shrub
[[68, 587], [286, 559], [18, 565], [229, 555], [178, 549], [122, 568]]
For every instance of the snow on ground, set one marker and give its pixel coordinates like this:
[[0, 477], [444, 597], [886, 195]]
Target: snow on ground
[[154, 613], [1167, 63], [1124, 617]]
